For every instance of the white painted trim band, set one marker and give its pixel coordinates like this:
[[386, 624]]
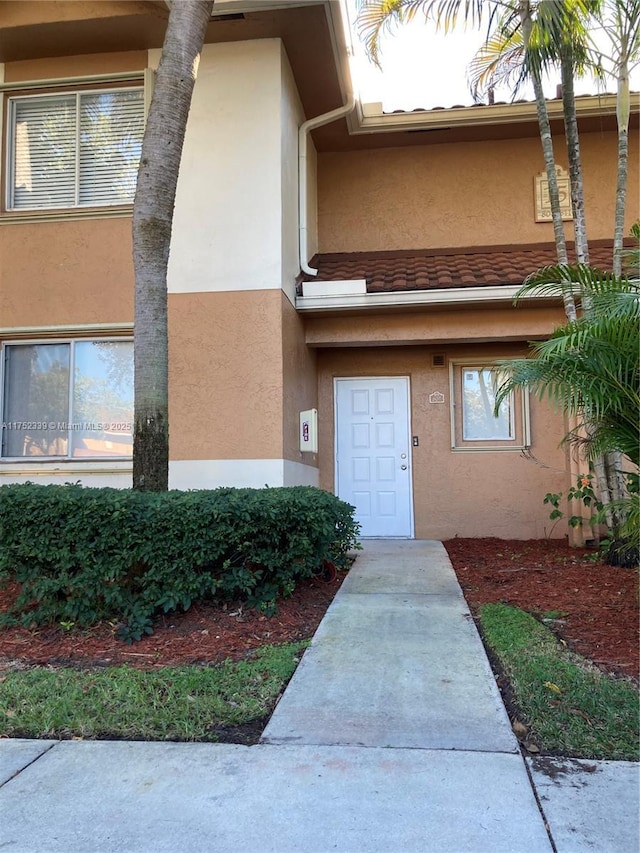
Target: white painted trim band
[[49, 82], [240, 473], [406, 298], [354, 287], [67, 214], [371, 119], [65, 331]]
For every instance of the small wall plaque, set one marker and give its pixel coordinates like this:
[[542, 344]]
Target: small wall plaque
[[436, 397], [541, 193]]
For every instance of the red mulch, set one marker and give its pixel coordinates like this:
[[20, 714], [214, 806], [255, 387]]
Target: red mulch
[[206, 633], [597, 605]]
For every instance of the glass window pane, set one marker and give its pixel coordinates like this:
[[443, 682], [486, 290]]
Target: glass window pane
[[103, 399], [44, 150], [111, 129], [479, 387], [36, 400]]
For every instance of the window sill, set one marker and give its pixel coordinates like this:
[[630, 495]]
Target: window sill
[[501, 448], [22, 217], [33, 467]]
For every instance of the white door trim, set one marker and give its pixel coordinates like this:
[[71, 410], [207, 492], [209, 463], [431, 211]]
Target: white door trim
[[337, 379]]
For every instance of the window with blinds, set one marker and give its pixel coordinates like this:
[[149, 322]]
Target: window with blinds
[[79, 149]]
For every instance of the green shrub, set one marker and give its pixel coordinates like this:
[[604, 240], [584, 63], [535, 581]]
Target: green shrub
[[82, 554]]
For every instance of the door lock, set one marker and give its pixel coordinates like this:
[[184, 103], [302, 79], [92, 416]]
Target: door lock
[[403, 467]]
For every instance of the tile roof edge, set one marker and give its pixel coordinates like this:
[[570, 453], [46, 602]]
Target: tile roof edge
[[440, 108], [458, 250]]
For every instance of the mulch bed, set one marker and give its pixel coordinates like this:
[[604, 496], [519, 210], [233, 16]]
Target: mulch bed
[[206, 633], [595, 605]]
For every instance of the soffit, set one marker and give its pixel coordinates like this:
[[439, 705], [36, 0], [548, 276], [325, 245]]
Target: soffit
[[436, 130], [42, 29], [389, 272]]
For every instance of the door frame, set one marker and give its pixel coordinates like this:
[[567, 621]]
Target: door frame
[[336, 379]]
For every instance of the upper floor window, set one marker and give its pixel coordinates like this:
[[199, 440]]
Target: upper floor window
[[74, 149], [69, 399]]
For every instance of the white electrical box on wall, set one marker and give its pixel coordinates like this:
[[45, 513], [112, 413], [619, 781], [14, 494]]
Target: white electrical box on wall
[[309, 431]]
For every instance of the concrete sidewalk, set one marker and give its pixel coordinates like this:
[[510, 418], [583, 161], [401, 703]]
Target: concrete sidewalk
[[391, 737]]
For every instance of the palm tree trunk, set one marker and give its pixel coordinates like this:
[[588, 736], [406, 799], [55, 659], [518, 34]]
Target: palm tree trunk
[[621, 198], [622, 109], [152, 222], [573, 156], [614, 460], [601, 469], [549, 158]]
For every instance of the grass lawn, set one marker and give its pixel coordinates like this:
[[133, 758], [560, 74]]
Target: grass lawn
[[570, 707], [184, 703]]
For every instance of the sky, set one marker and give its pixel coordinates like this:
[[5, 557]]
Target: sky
[[426, 68]]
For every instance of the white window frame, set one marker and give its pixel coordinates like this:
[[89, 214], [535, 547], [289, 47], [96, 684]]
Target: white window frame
[[78, 92], [30, 460], [519, 413]]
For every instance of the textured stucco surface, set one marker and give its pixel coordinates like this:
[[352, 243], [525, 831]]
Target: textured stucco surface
[[291, 117], [225, 376], [464, 194], [227, 227], [421, 327], [300, 382], [74, 66], [64, 273], [240, 373], [494, 493]]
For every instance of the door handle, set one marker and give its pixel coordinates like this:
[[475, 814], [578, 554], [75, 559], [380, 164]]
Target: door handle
[[403, 467]]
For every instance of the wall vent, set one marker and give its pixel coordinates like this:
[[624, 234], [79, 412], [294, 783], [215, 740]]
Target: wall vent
[[438, 359]]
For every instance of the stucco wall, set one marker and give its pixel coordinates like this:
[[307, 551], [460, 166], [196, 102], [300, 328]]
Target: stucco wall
[[455, 493], [225, 376], [461, 194], [65, 273], [497, 322], [291, 117], [74, 66], [300, 382], [228, 215], [239, 375]]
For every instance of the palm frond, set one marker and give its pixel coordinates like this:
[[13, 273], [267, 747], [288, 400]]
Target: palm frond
[[632, 256], [604, 288], [497, 63], [449, 13], [376, 18], [589, 368]]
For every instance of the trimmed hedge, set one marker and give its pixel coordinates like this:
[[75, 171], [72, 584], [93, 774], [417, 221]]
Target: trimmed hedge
[[82, 554]]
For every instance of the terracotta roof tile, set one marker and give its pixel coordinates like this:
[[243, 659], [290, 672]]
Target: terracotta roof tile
[[447, 268]]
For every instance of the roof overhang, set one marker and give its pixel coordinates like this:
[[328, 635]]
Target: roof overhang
[[313, 34], [369, 118]]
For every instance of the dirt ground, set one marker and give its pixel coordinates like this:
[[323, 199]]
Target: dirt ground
[[595, 609]]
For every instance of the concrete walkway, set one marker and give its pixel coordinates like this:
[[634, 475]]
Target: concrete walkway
[[391, 737]]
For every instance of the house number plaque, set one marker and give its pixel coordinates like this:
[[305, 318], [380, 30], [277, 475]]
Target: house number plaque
[[543, 204], [436, 397]]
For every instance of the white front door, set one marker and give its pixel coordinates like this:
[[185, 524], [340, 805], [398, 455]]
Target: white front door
[[373, 454]]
